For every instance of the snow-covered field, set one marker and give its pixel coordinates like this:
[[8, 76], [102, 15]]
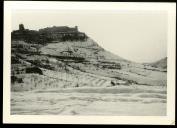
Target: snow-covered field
[[120, 100], [84, 93]]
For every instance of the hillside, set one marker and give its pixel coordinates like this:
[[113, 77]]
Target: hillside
[[160, 64], [74, 63]]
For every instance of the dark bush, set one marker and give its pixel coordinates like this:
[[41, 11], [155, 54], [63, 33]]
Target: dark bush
[[15, 60], [34, 70], [16, 79], [112, 83]]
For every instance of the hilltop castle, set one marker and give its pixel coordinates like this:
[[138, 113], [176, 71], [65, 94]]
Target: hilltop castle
[[61, 33]]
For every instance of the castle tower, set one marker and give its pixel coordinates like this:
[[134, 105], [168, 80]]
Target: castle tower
[[21, 27], [76, 28]]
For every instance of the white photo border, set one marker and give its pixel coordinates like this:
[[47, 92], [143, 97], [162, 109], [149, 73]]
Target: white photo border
[[46, 119]]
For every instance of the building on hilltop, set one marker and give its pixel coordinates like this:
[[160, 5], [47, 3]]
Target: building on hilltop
[[21, 27], [45, 35], [25, 34], [63, 33]]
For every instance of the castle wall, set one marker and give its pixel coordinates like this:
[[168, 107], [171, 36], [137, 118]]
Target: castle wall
[[62, 33]]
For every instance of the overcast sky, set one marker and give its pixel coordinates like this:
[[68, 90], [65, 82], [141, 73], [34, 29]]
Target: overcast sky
[[137, 36]]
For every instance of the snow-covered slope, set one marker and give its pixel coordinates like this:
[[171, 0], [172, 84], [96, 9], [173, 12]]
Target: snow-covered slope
[[88, 49], [83, 63], [160, 64]]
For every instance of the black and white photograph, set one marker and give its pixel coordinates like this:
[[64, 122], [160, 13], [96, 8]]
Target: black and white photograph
[[90, 62]]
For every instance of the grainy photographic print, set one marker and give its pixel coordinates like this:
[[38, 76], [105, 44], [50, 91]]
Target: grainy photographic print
[[61, 69], [89, 62]]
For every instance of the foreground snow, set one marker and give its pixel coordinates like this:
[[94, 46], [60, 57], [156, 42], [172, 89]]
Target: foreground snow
[[121, 100]]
